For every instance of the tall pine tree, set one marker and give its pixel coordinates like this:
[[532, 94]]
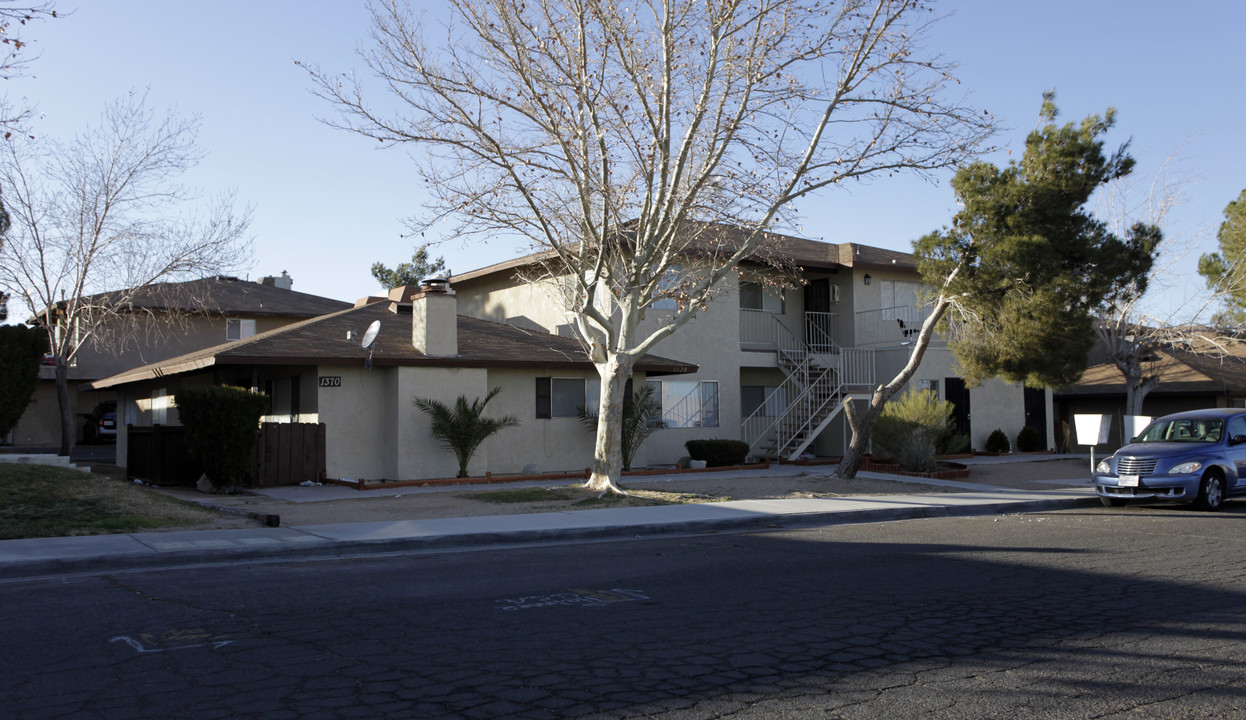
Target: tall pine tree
[[1017, 277], [1224, 270]]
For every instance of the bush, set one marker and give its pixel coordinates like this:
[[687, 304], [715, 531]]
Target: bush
[[222, 429], [718, 452], [1030, 440], [913, 428], [997, 441]]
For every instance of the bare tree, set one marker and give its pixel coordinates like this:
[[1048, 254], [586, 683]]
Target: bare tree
[[1145, 341], [106, 210], [648, 146], [13, 61]]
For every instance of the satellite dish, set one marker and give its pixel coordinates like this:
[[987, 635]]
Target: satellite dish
[[369, 336]]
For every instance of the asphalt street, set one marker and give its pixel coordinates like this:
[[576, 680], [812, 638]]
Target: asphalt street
[[1085, 613]]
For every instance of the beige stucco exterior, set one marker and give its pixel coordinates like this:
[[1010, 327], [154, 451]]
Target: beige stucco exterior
[[712, 341]]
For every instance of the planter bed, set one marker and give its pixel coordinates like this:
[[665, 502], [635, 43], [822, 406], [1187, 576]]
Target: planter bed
[[491, 479], [959, 472]]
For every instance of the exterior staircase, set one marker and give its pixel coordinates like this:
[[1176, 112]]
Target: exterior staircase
[[821, 376]]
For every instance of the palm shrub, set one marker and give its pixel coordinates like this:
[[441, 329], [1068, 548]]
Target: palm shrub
[[913, 429], [222, 429], [641, 418], [463, 427]]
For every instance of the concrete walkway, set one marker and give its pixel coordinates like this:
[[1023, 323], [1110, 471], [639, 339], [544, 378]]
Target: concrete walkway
[[109, 553]]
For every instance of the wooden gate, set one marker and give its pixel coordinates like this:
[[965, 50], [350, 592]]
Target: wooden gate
[[158, 455], [289, 453]]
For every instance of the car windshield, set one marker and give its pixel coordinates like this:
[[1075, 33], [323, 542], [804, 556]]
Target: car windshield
[[1205, 430]]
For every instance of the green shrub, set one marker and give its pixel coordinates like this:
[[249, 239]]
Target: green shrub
[[222, 429], [21, 352], [913, 428], [1029, 440], [997, 441], [718, 452]]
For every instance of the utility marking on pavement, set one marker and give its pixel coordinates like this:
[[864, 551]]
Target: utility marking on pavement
[[575, 598], [173, 640]]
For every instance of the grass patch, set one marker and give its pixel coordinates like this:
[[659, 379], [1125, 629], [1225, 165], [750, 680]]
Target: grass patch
[[519, 495], [48, 501]]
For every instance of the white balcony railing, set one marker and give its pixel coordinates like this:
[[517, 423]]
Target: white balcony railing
[[889, 326]]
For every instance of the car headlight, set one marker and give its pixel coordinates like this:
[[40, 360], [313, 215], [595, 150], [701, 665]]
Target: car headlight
[[1186, 468], [1104, 467]]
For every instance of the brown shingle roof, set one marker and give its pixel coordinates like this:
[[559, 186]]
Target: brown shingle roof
[[1189, 373], [805, 253], [224, 295], [323, 340]]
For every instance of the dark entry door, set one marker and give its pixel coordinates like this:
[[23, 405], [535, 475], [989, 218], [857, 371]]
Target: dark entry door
[[957, 393], [1036, 409], [818, 331]]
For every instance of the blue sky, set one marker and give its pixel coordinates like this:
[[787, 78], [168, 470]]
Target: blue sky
[[328, 204]]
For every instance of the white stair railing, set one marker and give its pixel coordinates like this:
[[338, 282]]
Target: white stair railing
[[819, 371]]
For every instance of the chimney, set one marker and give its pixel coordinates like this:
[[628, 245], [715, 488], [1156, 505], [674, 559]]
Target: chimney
[[434, 319], [285, 282]]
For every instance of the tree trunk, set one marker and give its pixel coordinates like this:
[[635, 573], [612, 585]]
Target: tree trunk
[[67, 410], [1136, 390], [608, 451], [862, 427]]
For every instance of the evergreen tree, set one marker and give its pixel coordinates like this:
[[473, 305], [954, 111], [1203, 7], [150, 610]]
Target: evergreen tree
[[412, 273], [1023, 267], [21, 352], [1036, 263], [1223, 270]]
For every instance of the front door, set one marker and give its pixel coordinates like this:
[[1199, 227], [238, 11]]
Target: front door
[[956, 392], [818, 331]]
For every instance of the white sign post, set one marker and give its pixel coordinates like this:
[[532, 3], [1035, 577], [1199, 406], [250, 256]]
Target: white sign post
[[1092, 430], [1133, 427]]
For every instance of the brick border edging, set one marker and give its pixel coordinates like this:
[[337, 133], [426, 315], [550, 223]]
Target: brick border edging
[[491, 479]]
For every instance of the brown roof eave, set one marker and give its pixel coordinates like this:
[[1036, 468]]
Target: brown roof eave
[[153, 373]]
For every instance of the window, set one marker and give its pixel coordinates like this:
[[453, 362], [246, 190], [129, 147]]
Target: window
[[687, 403], [670, 280], [239, 328], [1237, 427], [563, 397], [755, 296], [159, 406], [931, 385], [754, 397]]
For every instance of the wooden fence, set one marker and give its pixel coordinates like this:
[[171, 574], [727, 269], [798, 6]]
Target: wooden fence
[[287, 454]]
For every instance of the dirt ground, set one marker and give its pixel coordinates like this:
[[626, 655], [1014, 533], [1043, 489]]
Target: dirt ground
[[465, 501]]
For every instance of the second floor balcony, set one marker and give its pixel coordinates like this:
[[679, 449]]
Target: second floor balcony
[[898, 325], [765, 330]]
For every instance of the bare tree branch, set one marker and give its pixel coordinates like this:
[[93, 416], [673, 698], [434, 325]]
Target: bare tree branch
[[101, 218]]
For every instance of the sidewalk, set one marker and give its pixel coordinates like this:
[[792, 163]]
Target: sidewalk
[[108, 553]]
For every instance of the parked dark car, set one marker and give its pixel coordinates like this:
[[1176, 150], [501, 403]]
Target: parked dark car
[[101, 423], [1195, 456]]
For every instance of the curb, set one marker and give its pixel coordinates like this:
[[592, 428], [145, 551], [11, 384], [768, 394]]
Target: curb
[[323, 548]]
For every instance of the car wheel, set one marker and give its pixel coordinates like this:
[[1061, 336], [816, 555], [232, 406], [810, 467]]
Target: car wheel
[[1211, 492], [1112, 502]]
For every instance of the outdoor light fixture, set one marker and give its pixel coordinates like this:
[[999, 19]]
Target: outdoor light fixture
[[867, 279]]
